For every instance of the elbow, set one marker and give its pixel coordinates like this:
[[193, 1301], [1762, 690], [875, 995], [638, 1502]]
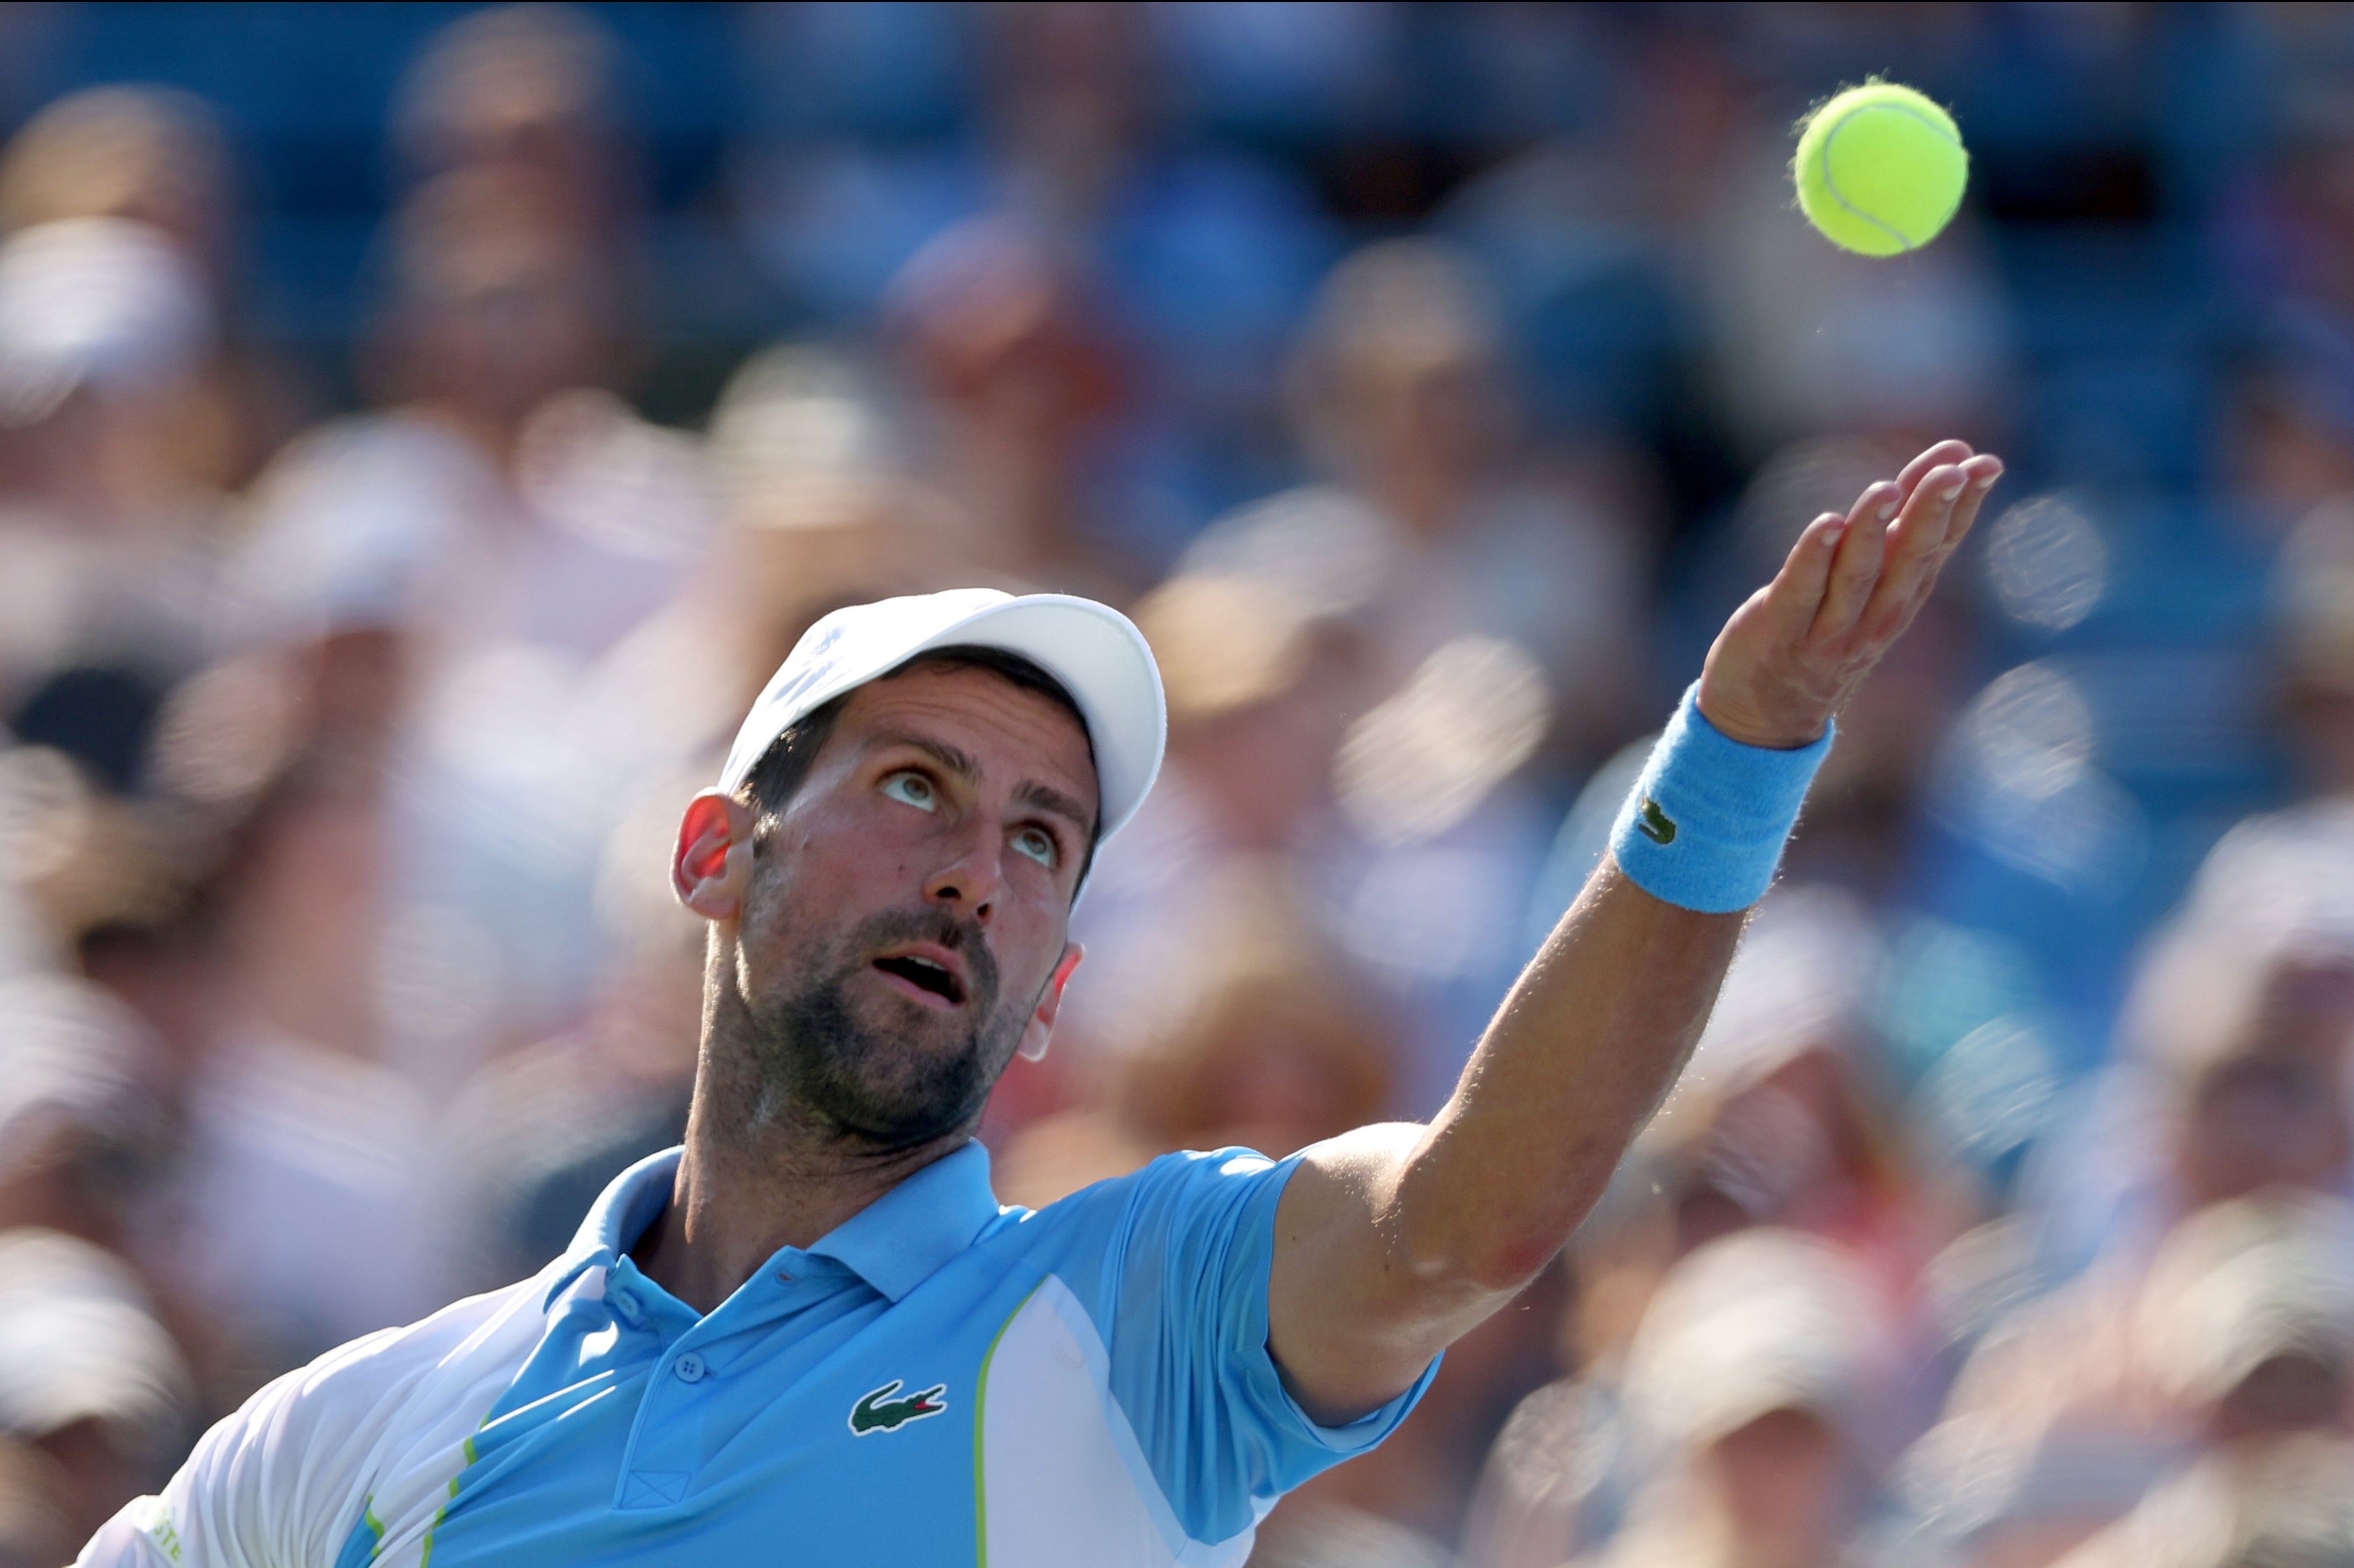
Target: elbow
[[1505, 1267], [1481, 1243], [1492, 1245], [1472, 1268]]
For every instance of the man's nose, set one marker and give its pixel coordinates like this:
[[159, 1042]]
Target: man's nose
[[968, 882]]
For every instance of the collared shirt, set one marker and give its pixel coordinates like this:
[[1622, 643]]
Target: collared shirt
[[938, 1380]]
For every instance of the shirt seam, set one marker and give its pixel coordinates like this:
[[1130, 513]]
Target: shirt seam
[[980, 1433]]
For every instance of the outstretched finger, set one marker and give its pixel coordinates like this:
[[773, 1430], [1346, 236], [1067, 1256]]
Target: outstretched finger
[[1916, 547], [1855, 568], [1981, 471], [1943, 452], [1796, 594]]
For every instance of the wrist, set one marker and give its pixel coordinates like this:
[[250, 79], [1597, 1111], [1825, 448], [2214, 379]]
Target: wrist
[[1751, 724], [1704, 825]]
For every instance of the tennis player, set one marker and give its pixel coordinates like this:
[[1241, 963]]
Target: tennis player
[[811, 1335]]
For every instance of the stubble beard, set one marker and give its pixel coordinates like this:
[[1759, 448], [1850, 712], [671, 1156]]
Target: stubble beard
[[882, 1075]]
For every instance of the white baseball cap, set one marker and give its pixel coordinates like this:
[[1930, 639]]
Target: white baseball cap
[[1097, 653]]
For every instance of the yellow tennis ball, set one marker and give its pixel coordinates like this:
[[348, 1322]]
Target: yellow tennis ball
[[1879, 169]]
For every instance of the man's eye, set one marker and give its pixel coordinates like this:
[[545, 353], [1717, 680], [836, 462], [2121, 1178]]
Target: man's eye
[[1038, 844], [911, 790]]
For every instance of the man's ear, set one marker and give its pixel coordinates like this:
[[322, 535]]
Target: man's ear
[[1042, 1022], [712, 866]]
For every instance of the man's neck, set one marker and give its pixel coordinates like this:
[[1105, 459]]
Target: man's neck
[[742, 1193]]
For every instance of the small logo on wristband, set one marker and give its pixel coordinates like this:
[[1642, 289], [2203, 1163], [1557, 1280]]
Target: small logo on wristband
[[1655, 824]]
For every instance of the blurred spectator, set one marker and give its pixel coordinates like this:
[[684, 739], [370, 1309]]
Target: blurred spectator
[[2237, 1035], [2240, 1337], [2314, 603], [507, 476], [1202, 254], [525, 90], [816, 466], [36, 1529], [2287, 429], [817, 504], [2283, 1504], [299, 1212], [1022, 383], [1782, 1118], [1489, 596], [1409, 853], [1745, 1400], [504, 497], [160, 158], [110, 535], [85, 1115], [88, 1377], [148, 154], [2232, 1093], [479, 549], [1259, 687], [2246, 1323], [1589, 232], [1749, 1380], [72, 857], [1437, 523], [536, 1136]]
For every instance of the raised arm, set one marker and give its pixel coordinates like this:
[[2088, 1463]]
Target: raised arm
[[1391, 1241]]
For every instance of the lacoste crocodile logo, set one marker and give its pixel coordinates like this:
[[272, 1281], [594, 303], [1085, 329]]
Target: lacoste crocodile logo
[[1655, 824], [879, 1411]]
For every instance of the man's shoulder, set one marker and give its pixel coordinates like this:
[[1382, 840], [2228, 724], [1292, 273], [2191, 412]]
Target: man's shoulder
[[1175, 1175], [1188, 1194]]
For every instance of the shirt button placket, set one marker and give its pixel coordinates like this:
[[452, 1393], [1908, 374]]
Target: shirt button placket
[[660, 1460]]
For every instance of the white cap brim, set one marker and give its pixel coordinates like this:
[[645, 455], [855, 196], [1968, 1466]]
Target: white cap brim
[[1098, 654]]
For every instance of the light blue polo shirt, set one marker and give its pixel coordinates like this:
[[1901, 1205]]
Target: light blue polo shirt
[[938, 1381]]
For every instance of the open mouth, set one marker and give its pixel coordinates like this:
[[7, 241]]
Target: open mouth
[[925, 975]]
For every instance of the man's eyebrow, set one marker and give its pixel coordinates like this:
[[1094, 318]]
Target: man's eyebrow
[[939, 751], [1047, 797]]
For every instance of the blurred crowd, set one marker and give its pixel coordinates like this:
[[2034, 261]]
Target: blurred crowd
[[378, 580]]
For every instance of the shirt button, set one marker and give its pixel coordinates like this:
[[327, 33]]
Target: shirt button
[[690, 1368], [628, 1310]]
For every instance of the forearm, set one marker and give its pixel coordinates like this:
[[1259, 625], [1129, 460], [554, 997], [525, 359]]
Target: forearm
[[1410, 1236], [1584, 1048]]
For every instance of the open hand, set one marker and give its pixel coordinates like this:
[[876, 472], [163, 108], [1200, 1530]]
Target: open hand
[[1797, 650]]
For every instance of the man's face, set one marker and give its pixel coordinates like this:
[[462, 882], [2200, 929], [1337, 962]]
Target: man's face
[[2272, 1111], [904, 922]]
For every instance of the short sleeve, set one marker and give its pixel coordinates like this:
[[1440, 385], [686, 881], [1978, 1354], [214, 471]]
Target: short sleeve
[[1186, 1289], [364, 1441], [264, 1488]]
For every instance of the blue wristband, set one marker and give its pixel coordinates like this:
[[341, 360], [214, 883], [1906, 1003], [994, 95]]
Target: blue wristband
[[1704, 825]]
